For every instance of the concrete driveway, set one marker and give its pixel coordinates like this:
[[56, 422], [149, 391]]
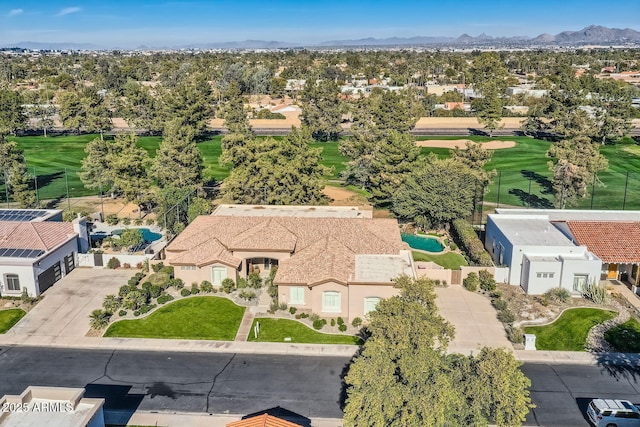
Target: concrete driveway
[[65, 307], [473, 317]]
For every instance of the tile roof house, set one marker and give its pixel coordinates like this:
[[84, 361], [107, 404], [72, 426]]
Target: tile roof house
[[332, 261], [37, 249], [264, 420]]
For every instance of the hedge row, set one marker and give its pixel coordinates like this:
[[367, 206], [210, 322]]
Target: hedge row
[[466, 236]]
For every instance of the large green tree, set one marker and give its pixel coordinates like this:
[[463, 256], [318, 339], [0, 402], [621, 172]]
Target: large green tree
[[141, 109], [12, 114], [489, 79], [190, 100], [13, 166], [234, 144], [178, 161], [129, 165], [85, 109], [321, 109], [96, 172]]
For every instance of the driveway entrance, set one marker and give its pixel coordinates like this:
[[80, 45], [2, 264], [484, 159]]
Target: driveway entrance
[[65, 308]]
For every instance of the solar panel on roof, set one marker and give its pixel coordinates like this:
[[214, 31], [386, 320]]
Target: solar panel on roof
[[16, 215], [20, 253]]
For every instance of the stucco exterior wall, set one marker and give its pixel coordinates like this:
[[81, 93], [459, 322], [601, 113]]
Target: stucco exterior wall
[[189, 276], [358, 293], [25, 276], [317, 295]]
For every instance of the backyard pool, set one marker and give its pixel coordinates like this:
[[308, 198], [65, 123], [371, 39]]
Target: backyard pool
[[147, 235], [423, 243]]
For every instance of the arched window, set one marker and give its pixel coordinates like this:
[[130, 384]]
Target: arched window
[[370, 304]]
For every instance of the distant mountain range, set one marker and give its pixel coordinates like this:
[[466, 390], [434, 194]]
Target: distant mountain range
[[592, 35]]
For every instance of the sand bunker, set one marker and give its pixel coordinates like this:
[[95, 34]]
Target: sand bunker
[[462, 144]]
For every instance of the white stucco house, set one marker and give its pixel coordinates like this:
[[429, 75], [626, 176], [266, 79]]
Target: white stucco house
[[37, 249]]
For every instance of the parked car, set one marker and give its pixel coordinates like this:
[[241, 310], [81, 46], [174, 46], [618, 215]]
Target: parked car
[[613, 413]]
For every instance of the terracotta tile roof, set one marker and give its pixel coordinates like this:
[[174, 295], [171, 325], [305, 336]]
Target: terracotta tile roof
[[322, 248], [207, 252], [34, 235], [612, 241], [263, 420]]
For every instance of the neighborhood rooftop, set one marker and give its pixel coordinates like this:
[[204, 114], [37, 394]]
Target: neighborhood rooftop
[[530, 230], [574, 215], [34, 235], [293, 211], [612, 242]]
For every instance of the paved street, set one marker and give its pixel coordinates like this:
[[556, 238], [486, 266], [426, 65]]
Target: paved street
[[220, 383]]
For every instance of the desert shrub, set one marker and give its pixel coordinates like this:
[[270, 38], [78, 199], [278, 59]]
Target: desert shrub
[[140, 265], [466, 236], [228, 285], [136, 313], [595, 292], [150, 221], [340, 321], [282, 306], [215, 291], [273, 307], [99, 319], [247, 295], [126, 265], [137, 221], [134, 300], [506, 316], [292, 310], [265, 113], [111, 303], [342, 327], [333, 322], [242, 283], [319, 324], [500, 304], [146, 308], [113, 263], [272, 290], [155, 291], [559, 295], [515, 334], [185, 292], [487, 282], [146, 285], [453, 246], [298, 316], [496, 294], [194, 289], [254, 279], [176, 283], [168, 270], [164, 298], [122, 313], [356, 322], [126, 221], [304, 315], [159, 279], [157, 267], [471, 282], [112, 219], [314, 317], [206, 286], [125, 290]]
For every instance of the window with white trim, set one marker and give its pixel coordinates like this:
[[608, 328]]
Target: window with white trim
[[545, 275], [13, 282], [218, 274], [370, 304], [187, 267], [296, 295], [331, 302]]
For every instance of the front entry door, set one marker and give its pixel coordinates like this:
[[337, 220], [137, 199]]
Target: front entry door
[[613, 271]]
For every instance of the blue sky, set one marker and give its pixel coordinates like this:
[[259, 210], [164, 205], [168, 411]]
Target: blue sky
[[171, 23]]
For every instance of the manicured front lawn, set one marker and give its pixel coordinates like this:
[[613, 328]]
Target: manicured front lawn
[[569, 331], [196, 318], [276, 330], [450, 260], [8, 318], [625, 337]]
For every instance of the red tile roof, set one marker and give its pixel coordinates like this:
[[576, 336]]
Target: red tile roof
[[34, 235], [263, 420], [612, 241]]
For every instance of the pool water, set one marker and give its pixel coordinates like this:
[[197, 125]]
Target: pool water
[[147, 235], [423, 243]]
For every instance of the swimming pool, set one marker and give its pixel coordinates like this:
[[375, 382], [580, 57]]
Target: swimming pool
[[423, 243], [147, 235]]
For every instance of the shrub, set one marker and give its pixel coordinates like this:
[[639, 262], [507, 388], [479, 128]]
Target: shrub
[[496, 294], [150, 221], [298, 316], [319, 324], [185, 292], [227, 285], [98, 319], [146, 308], [113, 263], [112, 219], [340, 321], [466, 236], [333, 322], [136, 313], [247, 295], [356, 322], [242, 283], [157, 267], [272, 290], [122, 313], [506, 316], [595, 292], [471, 282], [164, 298], [111, 303], [293, 310], [168, 270], [134, 300], [137, 221], [176, 283], [194, 289], [515, 334], [314, 317], [147, 285], [155, 291], [559, 295], [159, 279], [126, 265], [453, 246], [487, 282], [125, 289], [126, 221], [342, 327], [304, 315], [282, 306], [500, 304], [215, 291], [140, 265], [255, 281], [206, 286]]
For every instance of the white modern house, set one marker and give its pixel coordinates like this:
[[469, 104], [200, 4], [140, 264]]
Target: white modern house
[[37, 249], [539, 255]]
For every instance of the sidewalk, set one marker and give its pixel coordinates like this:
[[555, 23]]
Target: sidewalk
[[245, 326]]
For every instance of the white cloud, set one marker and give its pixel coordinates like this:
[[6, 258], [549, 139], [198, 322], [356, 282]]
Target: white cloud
[[68, 10], [15, 12]]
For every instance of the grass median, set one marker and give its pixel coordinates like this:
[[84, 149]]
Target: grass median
[[195, 318], [10, 317], [276, 330]]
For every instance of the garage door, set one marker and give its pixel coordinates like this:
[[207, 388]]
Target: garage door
[[69, 263], [50, 276]]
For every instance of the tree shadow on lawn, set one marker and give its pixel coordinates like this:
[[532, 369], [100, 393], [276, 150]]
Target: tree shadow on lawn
[[531, 200], [541, 180]]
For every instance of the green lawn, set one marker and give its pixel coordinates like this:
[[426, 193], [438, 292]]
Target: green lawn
[[449, 260], [8, 318], [569, 331], [625, 337], [276, 330], [196, 318]]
